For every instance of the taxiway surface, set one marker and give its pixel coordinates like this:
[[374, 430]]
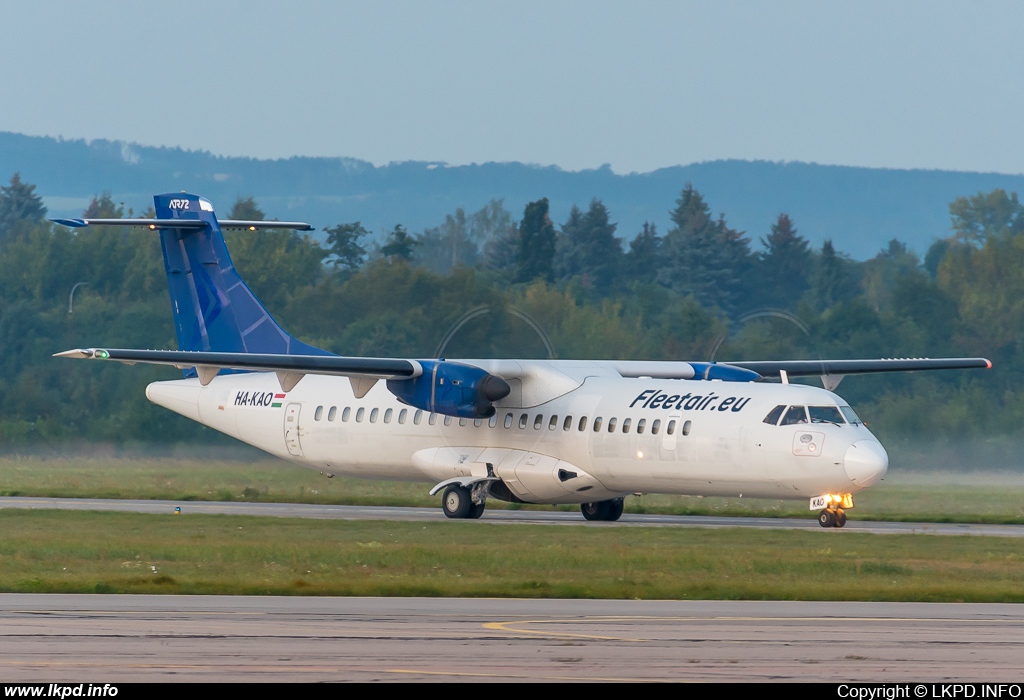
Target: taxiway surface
[[535, 517], [119, 638]]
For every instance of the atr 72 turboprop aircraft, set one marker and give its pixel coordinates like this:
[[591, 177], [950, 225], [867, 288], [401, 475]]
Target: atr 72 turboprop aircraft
[[527, 431]]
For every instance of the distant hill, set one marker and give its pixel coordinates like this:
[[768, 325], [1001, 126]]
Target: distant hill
[[860, 209]]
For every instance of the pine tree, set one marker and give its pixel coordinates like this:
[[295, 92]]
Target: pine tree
[[535, 258], [704, 257], [644, 257], [19, 203], [588, 248], [346, 253], [103, 207], [785, 265]]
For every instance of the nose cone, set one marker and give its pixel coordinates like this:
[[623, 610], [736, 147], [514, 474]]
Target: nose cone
[[866, 462]]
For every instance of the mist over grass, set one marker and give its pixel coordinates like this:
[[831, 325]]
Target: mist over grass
[[975, 482]]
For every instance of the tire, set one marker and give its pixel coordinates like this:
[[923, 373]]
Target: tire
[[456, 502], [475, 510], [840, 518], [615, 507], [827, 518], [595, 511]]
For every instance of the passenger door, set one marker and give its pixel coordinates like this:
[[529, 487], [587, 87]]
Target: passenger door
[[291, 429]]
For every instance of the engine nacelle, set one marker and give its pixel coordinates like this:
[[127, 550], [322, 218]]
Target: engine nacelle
[[452, 389], [723, 371]]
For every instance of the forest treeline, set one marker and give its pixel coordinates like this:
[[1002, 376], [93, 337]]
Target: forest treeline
[[698, 290]]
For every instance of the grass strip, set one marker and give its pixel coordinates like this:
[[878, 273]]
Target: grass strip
[[87, 552], [985, 497]]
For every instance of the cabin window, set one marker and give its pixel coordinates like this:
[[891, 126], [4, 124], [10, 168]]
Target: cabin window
[[538, 421], [553, 423], [567, 424], [433, 419], [346, 414], [319, 413], [583, 423], [522, 421], [387, 415], [611, 424], [825, 414], [493, 421], [373, 415], [686, 427], [462, 422], [477, 422], [508, 420], [332, 414], [402, 415], [359, 415], [447, 420], [640, 425], [597, 424], [794, 416], [671, 427], [773, 417], [417, 417], [625, 424], [655, 427], [850, 415]]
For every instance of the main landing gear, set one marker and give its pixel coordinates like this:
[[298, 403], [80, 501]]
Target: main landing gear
[[609, 510], [832, 518], [459, 503]]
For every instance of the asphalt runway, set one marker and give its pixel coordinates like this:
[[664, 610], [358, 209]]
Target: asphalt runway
[[120, 638], [536, 517]]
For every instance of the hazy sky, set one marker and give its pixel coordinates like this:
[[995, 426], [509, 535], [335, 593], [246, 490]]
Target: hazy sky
[[638, 85]]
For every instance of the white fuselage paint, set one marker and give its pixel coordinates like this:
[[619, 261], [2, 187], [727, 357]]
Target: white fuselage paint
[[727, 452]]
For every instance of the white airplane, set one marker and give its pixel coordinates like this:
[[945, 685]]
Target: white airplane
[[526, 431]]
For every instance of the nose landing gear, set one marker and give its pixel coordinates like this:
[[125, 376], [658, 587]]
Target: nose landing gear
[[832, 518]]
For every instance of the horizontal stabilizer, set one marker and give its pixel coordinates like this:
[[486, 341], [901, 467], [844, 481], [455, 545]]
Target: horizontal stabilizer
[[368, 367], [154, 224], [810, 368]]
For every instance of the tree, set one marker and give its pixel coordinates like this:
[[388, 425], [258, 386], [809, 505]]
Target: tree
[[399, 244], [587, 248], [643, 260], [978, 218], [19, 202], [343, 247], [832, 281], [246, 210], [704, 257], [103, 207], [535, 257], [785, 265]]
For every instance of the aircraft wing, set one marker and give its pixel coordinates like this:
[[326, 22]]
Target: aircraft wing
[[363, 371], [154, 224], [808, 368]]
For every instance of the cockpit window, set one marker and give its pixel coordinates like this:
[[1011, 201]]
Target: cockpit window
[[773, 417], [850, 415], [826, 414], [795, 415]]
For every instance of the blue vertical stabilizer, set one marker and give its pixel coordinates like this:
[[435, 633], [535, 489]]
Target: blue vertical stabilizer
[[213, 308]]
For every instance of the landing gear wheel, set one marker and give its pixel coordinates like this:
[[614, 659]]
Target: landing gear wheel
[[827, 518], [615, 509], [456, 502], [476, 510], [840, 518], [595, 511], [608, 511]]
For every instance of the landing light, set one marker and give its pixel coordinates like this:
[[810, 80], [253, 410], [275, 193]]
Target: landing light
[[252, 228], [640, 454], [152, 227]]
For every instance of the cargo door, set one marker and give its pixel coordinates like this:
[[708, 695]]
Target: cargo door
[[291, 429]]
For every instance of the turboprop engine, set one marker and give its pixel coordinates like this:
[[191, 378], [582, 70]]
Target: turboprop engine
[[451, 389]]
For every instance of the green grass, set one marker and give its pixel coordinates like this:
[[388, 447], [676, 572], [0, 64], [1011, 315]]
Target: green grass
[[943, 496], [65, 551]]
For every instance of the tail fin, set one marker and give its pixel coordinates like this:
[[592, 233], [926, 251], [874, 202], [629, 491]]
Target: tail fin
[[213, 308]]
